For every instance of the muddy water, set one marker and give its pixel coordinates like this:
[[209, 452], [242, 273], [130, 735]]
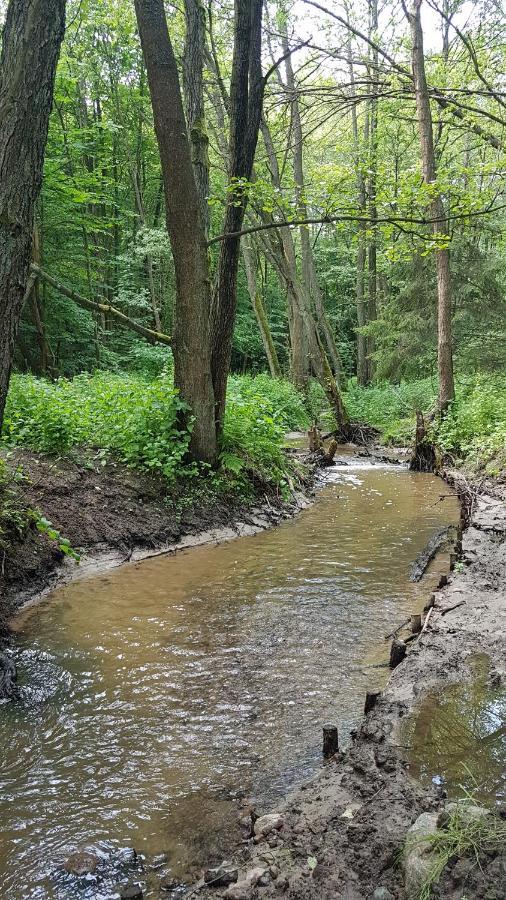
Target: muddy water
[[155, 696], [457, 737]]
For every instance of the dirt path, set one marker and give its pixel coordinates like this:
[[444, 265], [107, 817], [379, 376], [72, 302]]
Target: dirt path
[[341, 835]]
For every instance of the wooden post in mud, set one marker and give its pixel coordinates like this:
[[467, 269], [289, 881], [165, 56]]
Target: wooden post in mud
[[416, 624], [371, 699], [397, 653], [330, 740]]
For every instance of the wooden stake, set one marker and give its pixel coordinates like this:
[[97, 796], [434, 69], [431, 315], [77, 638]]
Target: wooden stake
[[397, 653], [330, 740], [416, 624], [371, 699]]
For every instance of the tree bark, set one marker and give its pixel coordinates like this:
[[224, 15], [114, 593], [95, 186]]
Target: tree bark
[[32, 36], [191, 333], [193, 87], [246, 97], [436, 210]]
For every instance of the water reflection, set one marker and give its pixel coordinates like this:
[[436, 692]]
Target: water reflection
[[157, 694], [458, 737]]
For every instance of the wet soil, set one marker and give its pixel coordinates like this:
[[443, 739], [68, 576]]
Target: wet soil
[[343, 834], [112, 514]]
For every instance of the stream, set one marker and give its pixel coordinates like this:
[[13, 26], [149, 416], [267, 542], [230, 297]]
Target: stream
[[158, 695]]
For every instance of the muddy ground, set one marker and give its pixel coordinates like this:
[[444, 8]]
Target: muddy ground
[[111, 514], [342, 835]]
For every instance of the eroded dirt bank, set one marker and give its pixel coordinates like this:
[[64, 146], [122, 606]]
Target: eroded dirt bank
[[112, 515], [341, 835]]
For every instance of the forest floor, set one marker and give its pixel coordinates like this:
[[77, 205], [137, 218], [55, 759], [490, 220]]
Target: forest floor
[[342, 835], [111, 515]]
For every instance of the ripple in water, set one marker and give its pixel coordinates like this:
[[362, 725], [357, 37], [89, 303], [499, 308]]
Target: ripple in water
[[155, 696]]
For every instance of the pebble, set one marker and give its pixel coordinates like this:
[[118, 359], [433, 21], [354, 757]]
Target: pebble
[[266, 824], [382, 893]]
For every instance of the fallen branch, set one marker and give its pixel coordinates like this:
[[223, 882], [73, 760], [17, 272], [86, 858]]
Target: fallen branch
[[455, 606], [154, 337]]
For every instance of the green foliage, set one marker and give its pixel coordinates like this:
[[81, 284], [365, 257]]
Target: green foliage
[[137, 419], [473, 430], [46, 527], [130, 415], [13, 517]]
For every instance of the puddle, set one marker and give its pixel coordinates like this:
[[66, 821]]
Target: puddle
[[457, 737]]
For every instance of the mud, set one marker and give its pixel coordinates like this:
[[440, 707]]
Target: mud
[[111, 515], [343, 834]]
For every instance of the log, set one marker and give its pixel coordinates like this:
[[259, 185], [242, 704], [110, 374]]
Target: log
[[330, 740], [428, 553], [371, 699], [397, 653]]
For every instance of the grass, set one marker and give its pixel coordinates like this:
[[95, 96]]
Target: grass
[[463, 835]]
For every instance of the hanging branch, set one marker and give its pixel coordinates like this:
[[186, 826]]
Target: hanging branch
[[154, 337]]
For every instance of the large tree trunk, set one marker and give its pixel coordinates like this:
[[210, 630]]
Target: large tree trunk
[[436, 210], [246, 97], [32, 37], [191, 333], [193, 85]]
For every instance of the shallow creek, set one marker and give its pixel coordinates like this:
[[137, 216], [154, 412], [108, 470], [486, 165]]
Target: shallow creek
[[157, 695]]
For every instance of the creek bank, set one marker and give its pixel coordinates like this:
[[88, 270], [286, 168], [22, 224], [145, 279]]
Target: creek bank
[[343, 833], [113, 515]]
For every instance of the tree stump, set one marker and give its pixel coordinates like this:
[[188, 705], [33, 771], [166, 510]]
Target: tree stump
[[397, 653], [371, 699], [330, 740], [315, 439]]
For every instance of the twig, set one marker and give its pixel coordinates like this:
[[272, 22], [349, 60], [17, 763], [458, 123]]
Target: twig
[[396, 630], [455, 606]]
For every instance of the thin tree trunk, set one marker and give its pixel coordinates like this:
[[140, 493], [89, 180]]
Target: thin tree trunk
[[362, 367], [259, 310], [309, 274], [32, 37], [436, 210], [191, 338], [372, 312]]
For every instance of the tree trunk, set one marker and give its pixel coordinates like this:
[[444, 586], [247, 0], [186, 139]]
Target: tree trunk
[[436, 211], [246, 96], [191, 337], [362, 364], [259, 310], [372, 312], [193, 87], [32, 37], [309, 274]]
